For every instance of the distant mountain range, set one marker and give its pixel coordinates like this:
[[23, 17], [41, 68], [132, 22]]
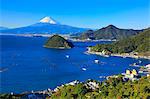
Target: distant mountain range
[[46, 25], [109, 32], [3, 28]]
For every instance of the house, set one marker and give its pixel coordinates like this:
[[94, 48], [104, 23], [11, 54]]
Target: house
[[106, 52], [73, 82], [134, 72], [92, 85], [131, 75], [128, 72]]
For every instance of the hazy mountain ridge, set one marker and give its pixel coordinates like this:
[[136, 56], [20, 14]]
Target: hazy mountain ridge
[[3, 28]]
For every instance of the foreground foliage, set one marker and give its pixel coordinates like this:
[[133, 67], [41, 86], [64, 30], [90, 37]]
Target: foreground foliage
[[114, 88]]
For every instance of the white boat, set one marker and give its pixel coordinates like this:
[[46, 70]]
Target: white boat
[[84, 69], [102, 77], [11, 93], [135, 65], [67, 56], [124, 57], [106, 56], [140, 61], [96, 61], [3, 69], [140, 72]]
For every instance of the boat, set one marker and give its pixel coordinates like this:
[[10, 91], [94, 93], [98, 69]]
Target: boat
[[134, 64], [140, 61], [140, 72], [67, 56], [96, 61], [11, 93], [124, 57], [84, 69], [106, 56], [102, 77], [3, 69]]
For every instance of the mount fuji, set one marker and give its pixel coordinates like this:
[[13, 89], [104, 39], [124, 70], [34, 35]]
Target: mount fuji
[[46, 25], [48, 20]]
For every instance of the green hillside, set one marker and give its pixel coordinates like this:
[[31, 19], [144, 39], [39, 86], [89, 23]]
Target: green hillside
[[139, 43], [113, 88], [59, 42]]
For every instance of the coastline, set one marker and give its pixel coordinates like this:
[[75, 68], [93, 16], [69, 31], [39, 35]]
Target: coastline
[[66, 36], [131, 55], [77, 40], [27, 35], [124, 55], [89, 84], [98, 52]]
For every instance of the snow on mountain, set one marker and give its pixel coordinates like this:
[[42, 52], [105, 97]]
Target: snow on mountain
[[48, 20], [46, 25]]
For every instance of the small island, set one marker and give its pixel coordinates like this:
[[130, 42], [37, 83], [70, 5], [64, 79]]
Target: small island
[[58, 42]]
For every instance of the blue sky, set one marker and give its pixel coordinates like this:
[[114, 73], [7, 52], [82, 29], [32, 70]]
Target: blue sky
[[81, 13]]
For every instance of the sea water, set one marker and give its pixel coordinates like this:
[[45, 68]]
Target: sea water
[[26, 65]]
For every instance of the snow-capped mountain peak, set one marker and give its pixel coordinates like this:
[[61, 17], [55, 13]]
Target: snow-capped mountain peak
[[48, 20], [46, 25]]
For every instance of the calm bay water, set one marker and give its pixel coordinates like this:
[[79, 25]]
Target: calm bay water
[[27, 65]]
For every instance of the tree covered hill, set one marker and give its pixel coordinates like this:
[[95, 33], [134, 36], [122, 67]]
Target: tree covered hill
[[59, 42], [139, 43], [114, 88], [109, 32]]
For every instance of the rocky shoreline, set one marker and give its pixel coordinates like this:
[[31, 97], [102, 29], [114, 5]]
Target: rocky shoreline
[[131, 55], [124, 55]]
